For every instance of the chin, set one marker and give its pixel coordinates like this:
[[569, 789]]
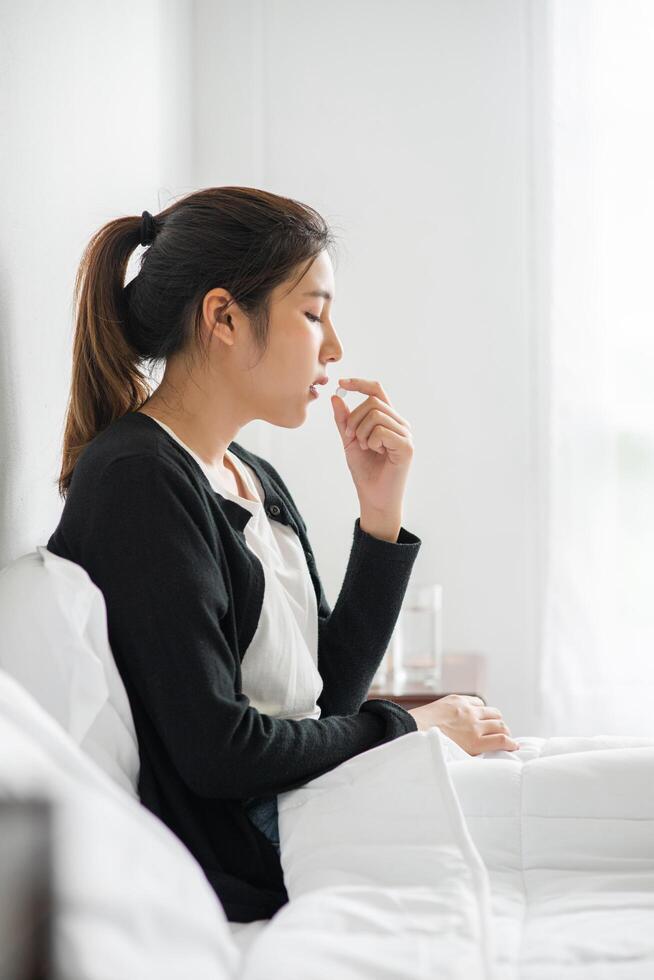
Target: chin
[[285, 421]]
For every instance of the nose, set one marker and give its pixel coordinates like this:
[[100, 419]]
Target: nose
[[332, 347]]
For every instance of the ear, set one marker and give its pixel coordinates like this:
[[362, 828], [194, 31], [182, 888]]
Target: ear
[[218, 308]]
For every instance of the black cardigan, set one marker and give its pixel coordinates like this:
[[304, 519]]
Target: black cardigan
[[183, 594]]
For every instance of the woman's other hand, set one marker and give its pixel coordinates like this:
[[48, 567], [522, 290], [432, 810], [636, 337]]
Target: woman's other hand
[[473, 725]]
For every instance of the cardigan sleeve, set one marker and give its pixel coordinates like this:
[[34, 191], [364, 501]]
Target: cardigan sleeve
[[354, 636], [151, 549]]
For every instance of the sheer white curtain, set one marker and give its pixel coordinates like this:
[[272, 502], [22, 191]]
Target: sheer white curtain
[[597, 655]]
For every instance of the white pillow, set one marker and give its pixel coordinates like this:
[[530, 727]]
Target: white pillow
[[129, 898], [54, 641]]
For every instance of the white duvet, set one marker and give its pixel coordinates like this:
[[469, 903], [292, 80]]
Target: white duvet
[[417, 860], [410, 860]]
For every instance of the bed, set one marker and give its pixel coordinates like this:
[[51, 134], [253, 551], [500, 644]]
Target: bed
[[531, 864]]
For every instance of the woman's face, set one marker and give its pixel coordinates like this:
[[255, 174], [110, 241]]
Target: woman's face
[[301, 344]]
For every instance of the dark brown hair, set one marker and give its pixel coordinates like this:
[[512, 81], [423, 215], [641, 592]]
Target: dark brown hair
[[242, 239]]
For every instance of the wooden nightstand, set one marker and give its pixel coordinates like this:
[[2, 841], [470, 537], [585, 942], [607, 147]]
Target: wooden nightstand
[[463, 673]]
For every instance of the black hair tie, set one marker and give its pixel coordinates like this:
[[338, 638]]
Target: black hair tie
[[148, 230]]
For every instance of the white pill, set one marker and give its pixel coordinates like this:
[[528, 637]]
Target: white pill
[[342, 392]]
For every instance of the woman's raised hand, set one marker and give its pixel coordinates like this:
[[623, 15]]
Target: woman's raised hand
[[378, 446], [469, 722]]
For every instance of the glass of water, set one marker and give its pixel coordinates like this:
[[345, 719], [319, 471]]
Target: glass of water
[[418, 646]]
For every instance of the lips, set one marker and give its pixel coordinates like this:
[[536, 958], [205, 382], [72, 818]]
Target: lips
[[313, 388]]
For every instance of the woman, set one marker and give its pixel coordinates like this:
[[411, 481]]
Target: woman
[[242, 681]]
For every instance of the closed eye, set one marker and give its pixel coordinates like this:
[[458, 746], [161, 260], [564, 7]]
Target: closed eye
[[315, 319]]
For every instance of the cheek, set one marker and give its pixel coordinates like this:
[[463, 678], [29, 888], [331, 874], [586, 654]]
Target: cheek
[[301, 347], [294, 351]]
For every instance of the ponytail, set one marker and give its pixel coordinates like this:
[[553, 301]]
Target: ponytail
[[106, 380]]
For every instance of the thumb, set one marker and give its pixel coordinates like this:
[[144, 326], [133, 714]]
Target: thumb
[[341, 413]]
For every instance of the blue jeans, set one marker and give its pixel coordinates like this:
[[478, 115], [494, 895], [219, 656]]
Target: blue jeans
[[263, 814]]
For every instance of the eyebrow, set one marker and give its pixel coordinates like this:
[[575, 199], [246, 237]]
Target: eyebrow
[[319, 292]]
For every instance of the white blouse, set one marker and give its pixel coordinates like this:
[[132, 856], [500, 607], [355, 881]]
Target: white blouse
[[279, 669]]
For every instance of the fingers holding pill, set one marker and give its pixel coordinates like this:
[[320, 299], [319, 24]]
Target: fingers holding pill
[[373, 422], [374, 418], [373, 406]]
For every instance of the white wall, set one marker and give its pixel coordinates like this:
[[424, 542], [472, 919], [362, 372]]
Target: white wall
[[94, 102], [407, 125]]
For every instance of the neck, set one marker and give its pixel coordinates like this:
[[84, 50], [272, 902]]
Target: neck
[[206, 426]]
